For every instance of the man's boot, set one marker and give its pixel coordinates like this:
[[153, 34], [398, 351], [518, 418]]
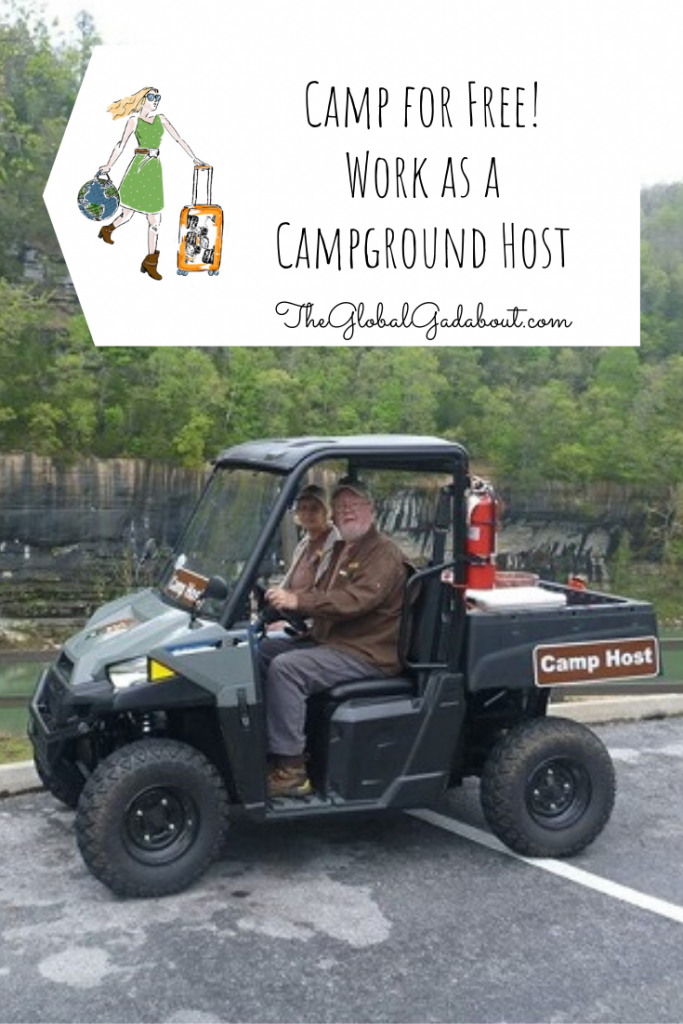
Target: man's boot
[[106, 233], [149, 265], [288, 777]]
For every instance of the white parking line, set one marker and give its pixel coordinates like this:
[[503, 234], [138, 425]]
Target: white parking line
[[557, 867]]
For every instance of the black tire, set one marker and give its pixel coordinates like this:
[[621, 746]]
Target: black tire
[[65, 783], [548, 788], [151, 818]]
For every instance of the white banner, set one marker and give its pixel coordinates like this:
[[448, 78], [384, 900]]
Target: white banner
[[389, 173]]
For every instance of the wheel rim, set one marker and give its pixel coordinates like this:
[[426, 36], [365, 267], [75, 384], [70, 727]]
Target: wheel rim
[[160, 824], [558, 793]]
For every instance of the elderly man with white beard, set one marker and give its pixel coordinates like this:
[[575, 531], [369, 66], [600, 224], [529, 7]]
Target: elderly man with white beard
[[355, 609]]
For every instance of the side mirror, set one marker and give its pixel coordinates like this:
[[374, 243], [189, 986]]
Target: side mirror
[[216, 589]]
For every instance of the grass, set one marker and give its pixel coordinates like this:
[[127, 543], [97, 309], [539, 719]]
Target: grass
[[14, 748], [659, 584]]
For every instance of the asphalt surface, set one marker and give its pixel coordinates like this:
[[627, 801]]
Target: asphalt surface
[[383, 918]]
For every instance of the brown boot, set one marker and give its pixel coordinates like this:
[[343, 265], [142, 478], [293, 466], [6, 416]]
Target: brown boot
[[106, 233], [289, 781], [149, 264]]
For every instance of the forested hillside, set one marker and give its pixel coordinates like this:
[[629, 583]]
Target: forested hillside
[[575, 415]]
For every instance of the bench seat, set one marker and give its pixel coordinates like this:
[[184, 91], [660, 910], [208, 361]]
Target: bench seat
[[389, 686]]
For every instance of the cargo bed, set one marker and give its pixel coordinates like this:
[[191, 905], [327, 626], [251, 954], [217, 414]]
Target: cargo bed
[[508, 646]]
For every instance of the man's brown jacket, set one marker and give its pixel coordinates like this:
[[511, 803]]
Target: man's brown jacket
[[356, 606]]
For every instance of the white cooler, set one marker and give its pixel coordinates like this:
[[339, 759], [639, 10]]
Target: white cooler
[[515, 599]]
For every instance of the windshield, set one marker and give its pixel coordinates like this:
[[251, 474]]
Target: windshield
[[222, 533]]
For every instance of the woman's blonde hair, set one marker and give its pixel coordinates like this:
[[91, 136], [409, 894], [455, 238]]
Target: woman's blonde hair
[[131, 104]]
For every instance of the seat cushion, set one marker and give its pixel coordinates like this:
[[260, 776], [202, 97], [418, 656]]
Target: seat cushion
[[387, 686]]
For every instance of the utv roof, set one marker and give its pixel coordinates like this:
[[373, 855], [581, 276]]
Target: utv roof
[[287, 453]]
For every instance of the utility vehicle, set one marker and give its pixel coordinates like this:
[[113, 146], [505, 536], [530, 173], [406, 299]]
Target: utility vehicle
[[151, 721]]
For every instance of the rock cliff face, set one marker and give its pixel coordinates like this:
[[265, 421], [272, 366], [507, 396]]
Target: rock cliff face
[[70, 537], [558, 529]]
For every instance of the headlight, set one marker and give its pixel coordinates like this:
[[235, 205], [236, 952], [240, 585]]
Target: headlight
[[137, 671], [128, 673]]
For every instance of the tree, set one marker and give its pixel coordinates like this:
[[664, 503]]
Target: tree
[[39, 80], [175, 405]]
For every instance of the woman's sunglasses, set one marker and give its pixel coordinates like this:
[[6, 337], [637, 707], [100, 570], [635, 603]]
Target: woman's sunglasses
[[152, 96]]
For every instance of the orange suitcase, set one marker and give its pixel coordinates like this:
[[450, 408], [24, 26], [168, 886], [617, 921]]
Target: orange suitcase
[[201, 231]]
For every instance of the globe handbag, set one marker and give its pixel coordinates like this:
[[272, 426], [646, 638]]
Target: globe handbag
[[99, 198]]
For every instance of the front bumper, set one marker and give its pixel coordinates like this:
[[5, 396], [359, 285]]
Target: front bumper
[[56, 717]]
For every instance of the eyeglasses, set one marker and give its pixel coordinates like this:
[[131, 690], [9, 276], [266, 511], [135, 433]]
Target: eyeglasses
[[152, 96]]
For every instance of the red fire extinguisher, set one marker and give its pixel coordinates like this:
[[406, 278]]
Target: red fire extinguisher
[[480, 548]]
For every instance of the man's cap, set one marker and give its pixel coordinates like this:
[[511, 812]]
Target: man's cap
[[358, 487], [313, 492]]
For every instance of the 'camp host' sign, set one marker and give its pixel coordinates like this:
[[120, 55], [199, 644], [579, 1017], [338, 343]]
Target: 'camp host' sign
[[604, 660]]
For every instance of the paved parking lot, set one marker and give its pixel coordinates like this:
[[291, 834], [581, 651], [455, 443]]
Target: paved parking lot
[[389, 918]]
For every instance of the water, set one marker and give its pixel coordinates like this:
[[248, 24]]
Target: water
[[672, 662], [19, 680], [17, 683]]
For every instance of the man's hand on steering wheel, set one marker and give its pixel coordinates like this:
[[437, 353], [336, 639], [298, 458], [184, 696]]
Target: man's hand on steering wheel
[[286, 603], [279, 609], [282, 599]]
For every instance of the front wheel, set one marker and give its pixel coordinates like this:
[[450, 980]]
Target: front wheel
[[151, 818], [548, 788]]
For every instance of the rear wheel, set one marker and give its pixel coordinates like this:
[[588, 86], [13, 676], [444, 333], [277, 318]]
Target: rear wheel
[[548, 788], [151, 818]]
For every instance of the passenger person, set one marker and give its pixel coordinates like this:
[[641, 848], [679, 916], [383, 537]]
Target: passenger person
[[313, 552], [355, 609], [312, 555]]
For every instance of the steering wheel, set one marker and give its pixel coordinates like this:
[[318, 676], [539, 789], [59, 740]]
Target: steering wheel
[[267, 614]]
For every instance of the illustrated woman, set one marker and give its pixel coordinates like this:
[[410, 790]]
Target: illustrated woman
[[141, 188]]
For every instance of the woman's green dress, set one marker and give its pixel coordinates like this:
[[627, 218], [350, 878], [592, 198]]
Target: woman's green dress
[[142, 187]]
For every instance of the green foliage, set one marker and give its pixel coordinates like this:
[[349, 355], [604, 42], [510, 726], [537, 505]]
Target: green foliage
[[40, 74]]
